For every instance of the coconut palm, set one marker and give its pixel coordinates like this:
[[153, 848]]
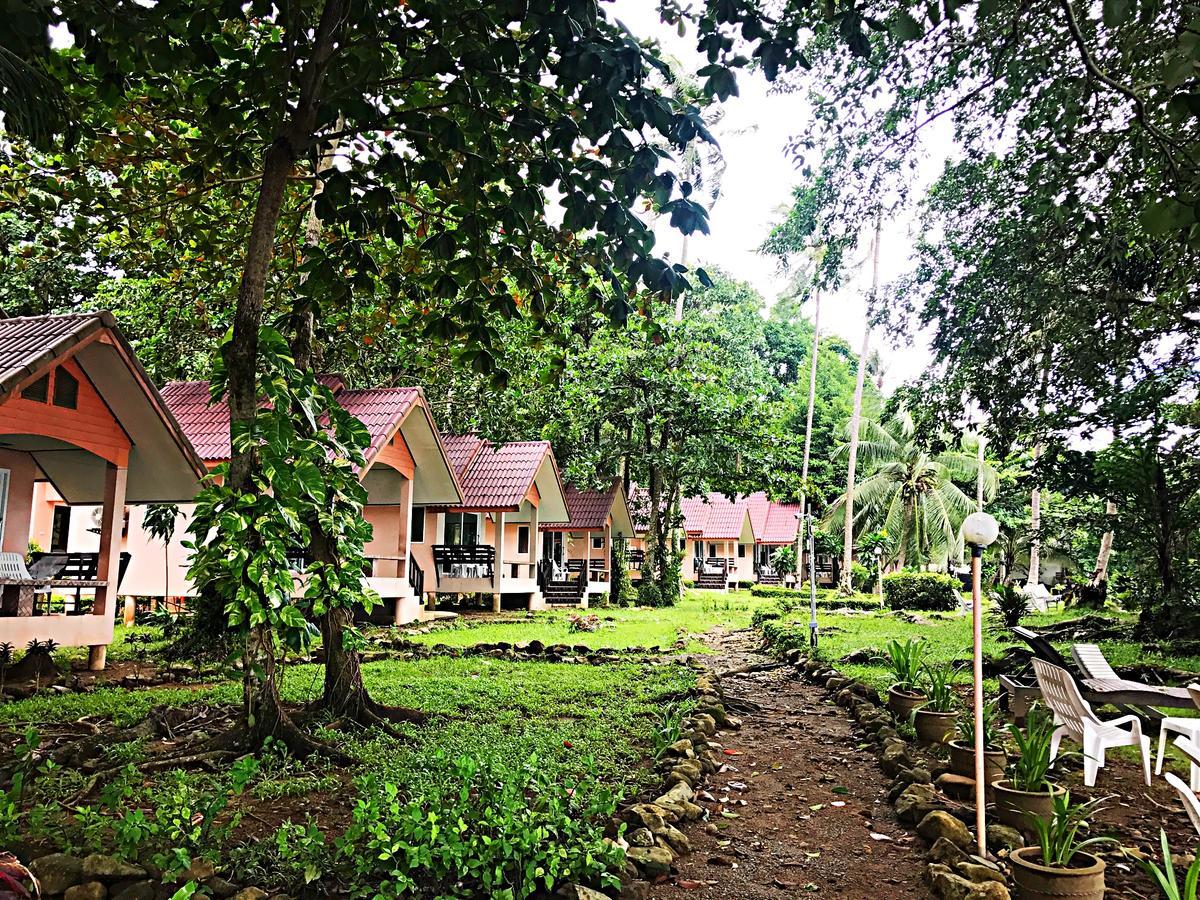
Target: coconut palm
[[912, 493]]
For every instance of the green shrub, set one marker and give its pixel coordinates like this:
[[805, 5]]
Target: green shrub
[[921, 590], [479, 830], [862, 578], [649, 594]]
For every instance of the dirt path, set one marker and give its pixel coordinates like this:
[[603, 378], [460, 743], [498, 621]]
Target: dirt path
[[800, 811]]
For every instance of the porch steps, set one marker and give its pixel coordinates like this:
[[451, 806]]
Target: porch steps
[[711, 581], [773, 578], [565, 593]]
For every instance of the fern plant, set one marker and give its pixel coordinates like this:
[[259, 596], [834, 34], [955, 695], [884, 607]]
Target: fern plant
[[1058, 836], [941, 695], [906, 662], [991, 734], [1028, 771]]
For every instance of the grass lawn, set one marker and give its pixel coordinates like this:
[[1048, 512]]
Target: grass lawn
[[698, 613]]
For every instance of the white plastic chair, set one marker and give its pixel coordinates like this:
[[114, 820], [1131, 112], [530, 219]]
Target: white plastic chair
[[12, 567], [1188, 728], [1075, 719], [1187, 794]]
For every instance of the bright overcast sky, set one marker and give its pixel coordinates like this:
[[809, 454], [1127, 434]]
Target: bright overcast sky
[[757, 188]]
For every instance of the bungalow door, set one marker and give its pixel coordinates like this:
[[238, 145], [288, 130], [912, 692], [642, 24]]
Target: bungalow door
[[4, 479], [462, 529]]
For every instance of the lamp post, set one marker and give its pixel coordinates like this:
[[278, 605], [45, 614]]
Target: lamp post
[[979, 530], [878, 553]]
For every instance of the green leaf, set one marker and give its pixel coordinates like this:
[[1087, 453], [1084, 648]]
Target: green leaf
[[904, 27], [1117, 12]]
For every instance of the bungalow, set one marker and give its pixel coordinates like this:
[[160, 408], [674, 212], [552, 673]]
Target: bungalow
[[579, 554], [719, 539], [775, 525], [79, 417], [491, 543], [406, 469]]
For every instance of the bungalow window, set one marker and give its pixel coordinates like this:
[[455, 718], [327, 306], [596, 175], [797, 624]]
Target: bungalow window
[[38, 391], [60, 529], [597, 542], [416, 528], [462, 529], [523, 539], [66, 389], [741, 551]]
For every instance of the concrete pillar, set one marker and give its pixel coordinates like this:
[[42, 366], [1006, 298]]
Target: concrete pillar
[[109, 565], [498, 568], [535, 553]]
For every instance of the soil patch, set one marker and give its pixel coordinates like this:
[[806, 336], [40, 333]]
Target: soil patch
[[800, 808]]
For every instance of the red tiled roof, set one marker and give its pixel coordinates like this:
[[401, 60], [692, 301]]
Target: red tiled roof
[[381, 410], [781, 525], [500, 477], [695, 514], [461, 450], [586, 510], [27, 343], [726, 520], [207, 427], [759, 507]]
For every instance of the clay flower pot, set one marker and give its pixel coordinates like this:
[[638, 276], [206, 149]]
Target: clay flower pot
[[1084, 880], [934, 727], [962, 762], [903, 704], [1013, 807]]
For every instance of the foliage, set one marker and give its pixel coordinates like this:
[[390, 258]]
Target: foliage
[[937, 688], [583, 623], [911, 492], [1009, 607], [906, 662], [1029, 769], [476, 831], [1164, 877], [862, 578], [921, 590], [991, 727], [783, 560], [649, 594], [1057, 835]]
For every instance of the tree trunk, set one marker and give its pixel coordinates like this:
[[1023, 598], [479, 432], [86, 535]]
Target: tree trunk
[[979, 463], [1100, 573], [808, 424], [1035, 524], [844, 584]]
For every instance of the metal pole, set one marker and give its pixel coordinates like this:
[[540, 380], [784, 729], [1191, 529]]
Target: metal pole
[[977, 660], [812, 581]]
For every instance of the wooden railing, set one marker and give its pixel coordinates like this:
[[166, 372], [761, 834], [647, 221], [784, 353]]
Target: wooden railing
[[416, 577], [455, 561]]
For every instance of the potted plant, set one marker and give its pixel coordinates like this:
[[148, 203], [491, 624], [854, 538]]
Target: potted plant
[[1027, 791], [904, 661], [962, 751], [1057, 865], [934, 720]]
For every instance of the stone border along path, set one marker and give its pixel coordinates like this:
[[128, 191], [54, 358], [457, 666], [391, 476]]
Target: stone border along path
[[797, 807]]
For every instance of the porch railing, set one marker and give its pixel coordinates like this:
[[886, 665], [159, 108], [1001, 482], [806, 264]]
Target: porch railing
[[454, 561], [416, 577]]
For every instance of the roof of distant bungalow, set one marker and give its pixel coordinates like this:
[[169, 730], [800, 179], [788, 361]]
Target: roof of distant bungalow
[[716, 517], [501, 477], [382, 411], [590, 511]]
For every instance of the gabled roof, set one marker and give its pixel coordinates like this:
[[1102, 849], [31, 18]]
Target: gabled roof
[[589, 510], [501, 477], [727, 520], [715, 517], [163, 466], [695, 514], [782, 525], [461, 450], [381, 410]]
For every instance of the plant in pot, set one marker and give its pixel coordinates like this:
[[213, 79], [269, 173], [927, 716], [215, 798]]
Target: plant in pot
[[905, 662], [962, 751], [1057, 866], [1028, 791], [934, 720]]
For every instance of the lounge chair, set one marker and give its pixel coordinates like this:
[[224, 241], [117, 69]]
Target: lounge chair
[[1188, 728], [1187, 794], [1075, 719], [1101, 679]]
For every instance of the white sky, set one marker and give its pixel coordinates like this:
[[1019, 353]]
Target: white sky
[[757, 189]]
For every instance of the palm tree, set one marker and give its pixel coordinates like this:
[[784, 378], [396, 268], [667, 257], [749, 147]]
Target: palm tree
[[159, 522], [912, 493]]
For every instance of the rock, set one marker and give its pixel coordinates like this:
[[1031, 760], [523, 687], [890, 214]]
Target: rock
[[682, 747], [284, 897], [950, 886], [641, 837], [199, 870], [679, 793], [250, 893], [940, 824], [635, 890], [651, 816], [219, 887], [58, 871], [99, 867], [957, 787], [692, 812], [705, 723], [650, 861], [579, 892], [947, 852], [138, 890], [677, 839], [894, 758], [916, 802], [979, 874], [1002, 837], [89, 890]]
